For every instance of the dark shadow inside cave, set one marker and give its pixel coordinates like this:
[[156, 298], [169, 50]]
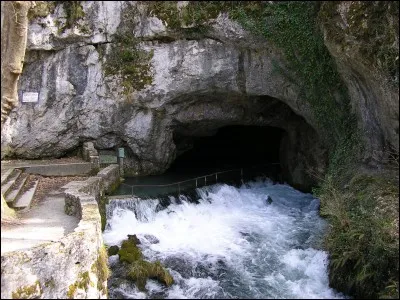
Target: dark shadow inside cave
[[250, 151], [231, 147]]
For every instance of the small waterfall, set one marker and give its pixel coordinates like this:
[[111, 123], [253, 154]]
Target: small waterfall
[[259, 240]]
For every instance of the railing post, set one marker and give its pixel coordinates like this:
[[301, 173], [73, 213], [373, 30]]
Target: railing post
[[179, 188], [132, 190], [205, 180], [196, 182]]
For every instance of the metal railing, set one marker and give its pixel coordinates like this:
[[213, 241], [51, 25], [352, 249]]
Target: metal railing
[[195, 179]]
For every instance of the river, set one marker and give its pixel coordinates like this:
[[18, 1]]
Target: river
[[226, 241]]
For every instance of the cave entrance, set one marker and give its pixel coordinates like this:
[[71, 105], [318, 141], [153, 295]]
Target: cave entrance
[[253, 148], [208, 133], [250, 151]]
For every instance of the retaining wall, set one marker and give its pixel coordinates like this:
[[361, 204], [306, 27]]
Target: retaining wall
[[70, 169], [72, 267]]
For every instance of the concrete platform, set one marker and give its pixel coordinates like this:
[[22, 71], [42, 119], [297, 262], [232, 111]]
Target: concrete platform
[[43, 223]]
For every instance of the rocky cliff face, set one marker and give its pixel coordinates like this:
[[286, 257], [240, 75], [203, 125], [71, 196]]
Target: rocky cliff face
[[116, 74], [363, 38]]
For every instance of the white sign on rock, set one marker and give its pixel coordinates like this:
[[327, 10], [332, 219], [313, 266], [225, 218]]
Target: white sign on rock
[[30, 97]]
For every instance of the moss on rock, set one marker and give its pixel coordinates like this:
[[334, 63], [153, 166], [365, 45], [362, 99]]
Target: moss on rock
[[129, 252], [41, 9], [82, 283], [141, 270], [127, 61], [101, 268], [28, 292], [102, 210], [371, 32], [113, 250]]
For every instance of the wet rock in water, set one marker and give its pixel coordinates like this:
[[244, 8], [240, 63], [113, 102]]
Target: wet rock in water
[[151, 238], [221, 264], [113, 250], [133, 238], [269, 200]]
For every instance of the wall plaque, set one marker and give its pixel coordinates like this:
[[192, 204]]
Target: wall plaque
[[30, 97]]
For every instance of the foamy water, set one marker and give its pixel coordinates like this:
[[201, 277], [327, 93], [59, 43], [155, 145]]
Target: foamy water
[[228, 242]]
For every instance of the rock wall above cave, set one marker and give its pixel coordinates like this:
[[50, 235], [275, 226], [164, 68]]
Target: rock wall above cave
[[363, 38], [204, 77], [124, 73]]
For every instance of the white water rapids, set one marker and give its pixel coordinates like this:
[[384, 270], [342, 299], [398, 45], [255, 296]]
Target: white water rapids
[[228, 243]]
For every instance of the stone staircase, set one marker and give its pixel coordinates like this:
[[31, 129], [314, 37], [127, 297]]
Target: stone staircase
[[18, 191]]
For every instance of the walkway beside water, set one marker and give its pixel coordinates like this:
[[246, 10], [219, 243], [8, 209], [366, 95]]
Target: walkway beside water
[[43, 223], [46, 220]]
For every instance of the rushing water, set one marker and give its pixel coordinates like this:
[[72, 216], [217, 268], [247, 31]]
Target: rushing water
[[227, 242]]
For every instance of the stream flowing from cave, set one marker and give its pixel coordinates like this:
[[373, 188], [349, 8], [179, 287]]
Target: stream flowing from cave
[[226, 242]]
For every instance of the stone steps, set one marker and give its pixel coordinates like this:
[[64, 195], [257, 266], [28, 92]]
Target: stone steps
[[24, 201], [18, 187], [6, 175], [9, 184]]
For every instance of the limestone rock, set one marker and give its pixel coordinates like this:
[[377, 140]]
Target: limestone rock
[[367, 55], [198, 85]]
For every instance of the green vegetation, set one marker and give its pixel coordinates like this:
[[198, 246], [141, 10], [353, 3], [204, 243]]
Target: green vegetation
[[139, 269], [194, 14], [28, 292], [101, 268], [113, 250], [364, 239], [128, 62], [41, 9], [129, 252], [74, 12], [292, 28], [82, 283], [374, 29]]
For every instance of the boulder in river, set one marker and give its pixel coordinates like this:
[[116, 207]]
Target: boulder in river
[[151, 238], [269, 199], [133, 238], [113, 250]]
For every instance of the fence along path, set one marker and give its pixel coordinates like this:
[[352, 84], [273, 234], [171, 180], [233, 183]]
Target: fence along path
[[194, 180]]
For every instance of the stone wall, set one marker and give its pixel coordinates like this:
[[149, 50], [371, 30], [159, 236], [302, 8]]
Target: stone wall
[[73, 267], [71, 169], [89, 153]]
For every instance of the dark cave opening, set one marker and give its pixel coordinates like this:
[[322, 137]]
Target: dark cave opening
[[230, 148], [254, 150]]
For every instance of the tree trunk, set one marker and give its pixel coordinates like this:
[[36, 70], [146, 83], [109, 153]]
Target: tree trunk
[[14, 33]]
